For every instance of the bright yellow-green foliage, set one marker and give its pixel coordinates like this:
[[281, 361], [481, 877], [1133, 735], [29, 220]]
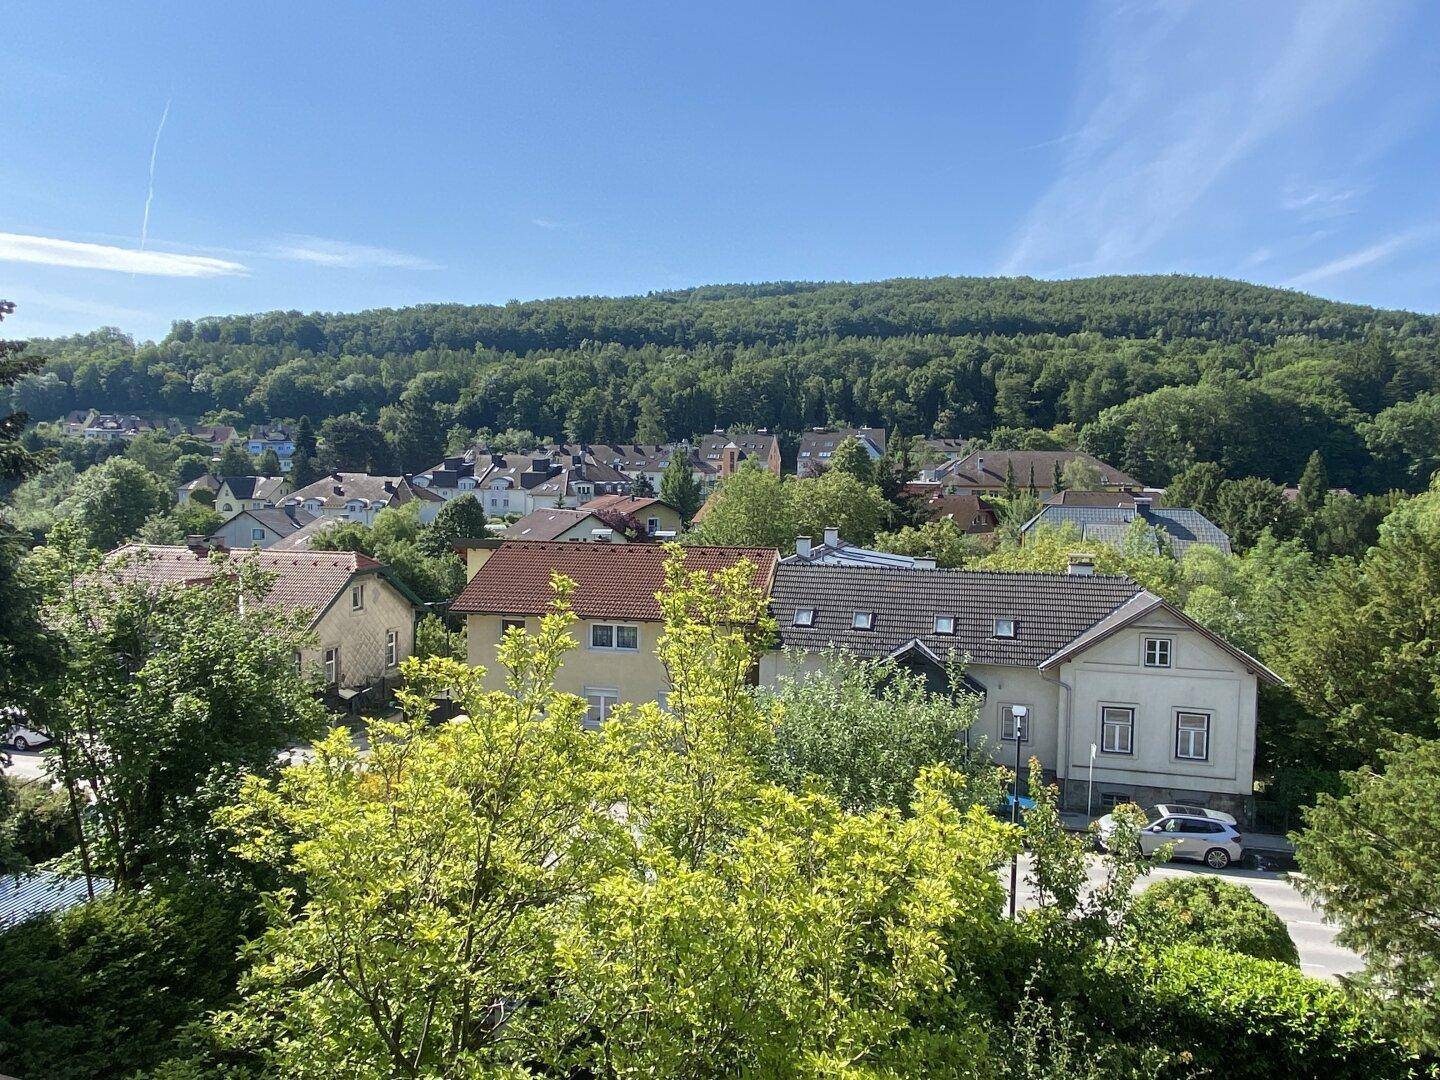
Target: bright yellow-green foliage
[[1048, 549], [509, 891]]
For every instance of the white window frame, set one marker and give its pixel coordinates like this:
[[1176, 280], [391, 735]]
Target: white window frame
[[392, 648], [862, 620], [1005, 628], [1126, 725], [609, 699], [803, 617], [1189, 743], [615, 629], [357, 597], [945, 624], [1007, 721], [330, 664], [1152, 646], [257, 534]]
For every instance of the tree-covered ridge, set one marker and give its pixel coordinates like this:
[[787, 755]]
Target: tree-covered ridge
[[1151, 373]]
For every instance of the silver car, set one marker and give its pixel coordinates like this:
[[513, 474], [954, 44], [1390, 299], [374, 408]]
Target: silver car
[[1203, 838]]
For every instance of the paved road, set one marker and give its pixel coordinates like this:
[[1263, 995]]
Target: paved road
[[24, 764], [1315, 939]]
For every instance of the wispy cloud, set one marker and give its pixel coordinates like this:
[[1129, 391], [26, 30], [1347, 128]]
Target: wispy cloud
[[1317, 200], [546, 223], [345, 255], [48, 251], [1177, 95], [1369, 255]]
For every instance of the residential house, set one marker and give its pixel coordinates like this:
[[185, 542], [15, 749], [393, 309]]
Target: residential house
[[519, 484], [833, 551], [300, 539], [362, 617], [967, 509], [988, 471], [655, 516], [260, 528], [237, 493], [204, 482], [105, 427], [946, 449], [818, 445], [618, 616], [357, 497], [1182, 528], [216, 436], [1092, 659], [273, 436], [725, 451], [558, 523]]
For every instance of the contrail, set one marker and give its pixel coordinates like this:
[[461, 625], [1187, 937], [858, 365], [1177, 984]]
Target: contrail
[[150, 192]]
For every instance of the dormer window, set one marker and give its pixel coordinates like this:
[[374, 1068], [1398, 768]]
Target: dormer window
[[804, 617], [944, 624], [1005, 628], [862, 620]]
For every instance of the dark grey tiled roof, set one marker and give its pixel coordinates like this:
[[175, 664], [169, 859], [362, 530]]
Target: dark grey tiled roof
[[1050, 610], [1107, 524]]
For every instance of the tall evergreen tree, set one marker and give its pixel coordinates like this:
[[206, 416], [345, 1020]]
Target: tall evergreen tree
[[1057, 481], [678, 487], [1314, 485], [304, 463], [234, 461]]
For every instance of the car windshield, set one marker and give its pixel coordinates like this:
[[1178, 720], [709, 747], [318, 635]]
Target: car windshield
[[1154, 814]]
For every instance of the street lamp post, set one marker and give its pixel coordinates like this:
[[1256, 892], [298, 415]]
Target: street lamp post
[[1017, 723], [1090, 787]]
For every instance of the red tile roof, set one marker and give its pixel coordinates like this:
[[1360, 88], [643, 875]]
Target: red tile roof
[[617, 581], [303, 579]]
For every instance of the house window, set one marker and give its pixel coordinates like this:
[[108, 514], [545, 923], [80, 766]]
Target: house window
[[257, 534], [599, 705], [944, 624], [615, 636], [332, 665], [1005, 628], [1008, 722], [1157, 652], [804, 617], [227, 506], [357, 597], [862, 620], [652, 525], [392, 648], [1192, 736], [1109, 800], [508, 624], [1117, 730]]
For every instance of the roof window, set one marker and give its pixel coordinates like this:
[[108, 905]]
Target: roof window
[[1005, 628]]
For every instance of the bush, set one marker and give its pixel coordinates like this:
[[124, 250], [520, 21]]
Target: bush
[[107, 988], [37, 823], [1238, 1017], [1203, 910]]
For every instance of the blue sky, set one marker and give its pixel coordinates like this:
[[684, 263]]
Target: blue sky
[[345, 156]]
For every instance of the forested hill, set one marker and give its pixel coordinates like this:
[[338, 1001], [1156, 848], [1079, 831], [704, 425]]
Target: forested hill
[[1151, 371]]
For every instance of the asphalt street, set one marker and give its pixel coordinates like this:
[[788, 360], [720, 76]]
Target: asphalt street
[[1314, 938]]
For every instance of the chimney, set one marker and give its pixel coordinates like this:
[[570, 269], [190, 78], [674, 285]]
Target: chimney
[[980, 465], [832, 537], [924, 563], [390, 485], [1081, 565], [802, 545]]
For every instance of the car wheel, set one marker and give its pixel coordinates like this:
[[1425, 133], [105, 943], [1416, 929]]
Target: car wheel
[[20, 742], [1217, 858]]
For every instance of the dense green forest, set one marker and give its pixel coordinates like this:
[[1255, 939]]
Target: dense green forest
[[1151, 373]]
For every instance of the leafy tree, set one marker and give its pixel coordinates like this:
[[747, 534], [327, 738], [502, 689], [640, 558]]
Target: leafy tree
[[1049, 549], [112, 500], [1216, 913], [351, 444], [678, 487], [1405, 439], [174, 525], [835, 500], [397, 539], [1197, 488], [1080, 475], [750, 507], [850, 457], [941, 540], [268, 464], [167, 696], [461, 518], [191, 467], [1249, 599], [864, 730], [1245, 508], [434, 638], [1349, 525], [234, 461], [1370, 860]]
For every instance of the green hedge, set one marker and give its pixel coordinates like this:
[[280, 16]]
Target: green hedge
[[1206, 910], [1242, 1017]]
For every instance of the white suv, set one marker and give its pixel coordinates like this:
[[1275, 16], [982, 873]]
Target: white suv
[[1207, 839]]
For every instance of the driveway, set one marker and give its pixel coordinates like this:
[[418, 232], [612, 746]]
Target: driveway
[[24, 765], [1314, 938]]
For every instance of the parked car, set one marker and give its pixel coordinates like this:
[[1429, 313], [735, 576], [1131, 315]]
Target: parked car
[[1187, 810], [20, 737], [1192, 836]]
